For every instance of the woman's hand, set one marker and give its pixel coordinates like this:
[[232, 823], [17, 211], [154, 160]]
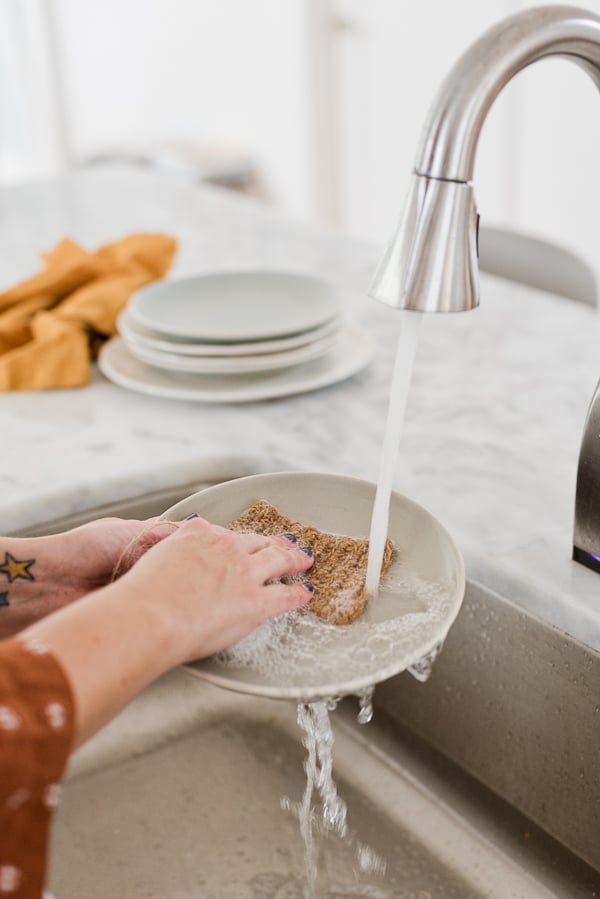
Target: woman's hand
[[100, 551], [39, 575], [213, 585], [195, 592]]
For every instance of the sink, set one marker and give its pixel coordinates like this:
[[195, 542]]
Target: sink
[[180, 796], [148, 505], [483, 782]]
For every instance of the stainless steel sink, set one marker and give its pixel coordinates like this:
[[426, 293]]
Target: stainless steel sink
[[469, 786]]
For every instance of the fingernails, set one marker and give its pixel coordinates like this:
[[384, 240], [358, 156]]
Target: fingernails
[[310, 587], [291, 538], [191, 515], [307, 550]]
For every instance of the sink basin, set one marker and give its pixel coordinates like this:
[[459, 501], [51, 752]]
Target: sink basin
[[180, 797], [483, 782]]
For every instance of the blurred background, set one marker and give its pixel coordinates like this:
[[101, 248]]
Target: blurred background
[[314, 106]]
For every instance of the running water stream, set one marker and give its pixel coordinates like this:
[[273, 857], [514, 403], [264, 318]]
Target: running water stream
[[328, 816], [410, 324], [314, 718], [317, 738]]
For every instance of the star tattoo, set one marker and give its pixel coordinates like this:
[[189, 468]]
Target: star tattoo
[[13, 568]]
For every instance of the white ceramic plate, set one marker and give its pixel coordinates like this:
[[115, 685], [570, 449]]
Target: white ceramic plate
[[235, 306], [300, 657], [350, 354], [139, 337], [231, 365]]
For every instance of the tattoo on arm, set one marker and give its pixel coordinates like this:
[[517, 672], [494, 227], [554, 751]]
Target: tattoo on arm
[[15, 568]]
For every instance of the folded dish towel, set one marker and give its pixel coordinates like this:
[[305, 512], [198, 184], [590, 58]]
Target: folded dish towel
[[51, 324]]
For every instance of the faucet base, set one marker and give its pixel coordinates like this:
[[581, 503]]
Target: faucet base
[[586, 558]]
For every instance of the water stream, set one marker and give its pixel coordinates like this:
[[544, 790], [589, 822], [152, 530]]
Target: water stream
[[313, 717], [326, 814], [329, 815], [410, 325]]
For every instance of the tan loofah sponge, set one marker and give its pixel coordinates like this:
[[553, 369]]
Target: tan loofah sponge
[[340, 563]]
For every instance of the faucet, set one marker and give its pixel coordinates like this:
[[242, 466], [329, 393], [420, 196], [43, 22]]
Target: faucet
[[431, 263]]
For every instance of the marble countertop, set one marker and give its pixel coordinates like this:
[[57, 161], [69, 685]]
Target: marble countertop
[[494, 419]]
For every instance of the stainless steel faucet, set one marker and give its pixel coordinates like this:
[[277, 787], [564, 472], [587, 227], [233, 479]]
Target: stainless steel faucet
[[431, 263]]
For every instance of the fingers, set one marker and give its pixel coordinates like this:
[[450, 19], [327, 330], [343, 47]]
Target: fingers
[[251, 541], [145, 539], [255, 542], [285, 597], [277, 560], [155, 532], [270, 557]]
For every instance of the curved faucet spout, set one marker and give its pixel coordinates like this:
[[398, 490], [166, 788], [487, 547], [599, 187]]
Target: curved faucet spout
[[431, 263], [451, 132]]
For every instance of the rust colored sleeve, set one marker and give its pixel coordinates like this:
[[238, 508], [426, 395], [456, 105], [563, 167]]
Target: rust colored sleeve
[[36, 736]]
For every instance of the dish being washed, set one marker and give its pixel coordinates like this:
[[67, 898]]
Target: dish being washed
[[298, 656]]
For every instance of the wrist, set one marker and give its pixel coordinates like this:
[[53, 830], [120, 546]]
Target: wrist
[[146, 623], [32, 580], [111, 645], [152, 616]]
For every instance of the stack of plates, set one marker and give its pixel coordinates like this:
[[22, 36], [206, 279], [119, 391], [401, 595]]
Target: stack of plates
[[234, 336]]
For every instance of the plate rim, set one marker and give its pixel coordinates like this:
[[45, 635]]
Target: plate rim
[[245, 364], [353, 686], [266, 390], [211, 350], [217, 336]]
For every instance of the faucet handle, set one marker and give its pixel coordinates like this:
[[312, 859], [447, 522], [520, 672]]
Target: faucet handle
[[586, 533]]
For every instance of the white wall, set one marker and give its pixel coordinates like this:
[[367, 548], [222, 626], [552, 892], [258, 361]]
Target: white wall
[[227, 72], [326, 96], [537, 165], [391, 59], [31, 124], [558, 172]]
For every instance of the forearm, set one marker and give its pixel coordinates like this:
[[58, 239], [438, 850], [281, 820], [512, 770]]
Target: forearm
[[39, 575], [196, 592], [32, 580], [111, 644]]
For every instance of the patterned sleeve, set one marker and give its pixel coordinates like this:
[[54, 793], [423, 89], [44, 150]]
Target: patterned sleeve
[[36, 736]]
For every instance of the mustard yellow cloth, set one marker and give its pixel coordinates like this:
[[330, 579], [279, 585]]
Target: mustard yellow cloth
[[51, 324]]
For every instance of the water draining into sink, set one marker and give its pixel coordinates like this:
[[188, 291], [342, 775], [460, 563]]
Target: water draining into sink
[[317, 738]]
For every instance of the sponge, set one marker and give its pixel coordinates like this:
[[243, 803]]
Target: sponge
[[340, 563]]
